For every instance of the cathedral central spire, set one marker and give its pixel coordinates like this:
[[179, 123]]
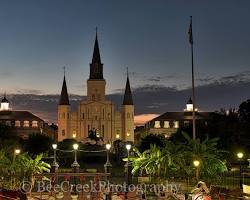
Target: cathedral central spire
[[96, 66], [96, 53]]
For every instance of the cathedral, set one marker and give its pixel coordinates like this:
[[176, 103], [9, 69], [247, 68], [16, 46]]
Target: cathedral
[[96, 113]]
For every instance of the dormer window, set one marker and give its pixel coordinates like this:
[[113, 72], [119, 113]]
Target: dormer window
[[157, 124], [34, 124], [176, 124], [17, 123], [166, 124], [26, 124]]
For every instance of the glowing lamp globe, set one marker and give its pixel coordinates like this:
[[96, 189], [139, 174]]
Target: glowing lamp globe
[[108, 146], [240, 155], [128, 146], [75, 146], [54, 146], [196, 163], [17, 151]]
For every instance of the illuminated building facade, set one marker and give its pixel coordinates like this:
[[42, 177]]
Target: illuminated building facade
[[96, 113]]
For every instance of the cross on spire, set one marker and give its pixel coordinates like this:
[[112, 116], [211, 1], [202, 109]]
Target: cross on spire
[[64, 70]]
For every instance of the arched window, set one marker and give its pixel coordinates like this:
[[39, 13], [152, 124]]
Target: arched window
[[34, 124], [176, 124], [157, 124], [17, 123], [26, 123], [166, 124]]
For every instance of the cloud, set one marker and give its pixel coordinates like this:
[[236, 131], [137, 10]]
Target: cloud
[[205, 79], [158, 78], [225, 92], [239, 77], [28, 91]]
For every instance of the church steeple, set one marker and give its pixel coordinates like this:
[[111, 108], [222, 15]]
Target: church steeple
[[96, 58], [64, 98], [96, 66], [127, 99]]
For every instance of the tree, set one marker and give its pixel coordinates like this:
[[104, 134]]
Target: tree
[[158, 162], [15, 169], [37, 144], [244, 111], [8, 140], [151, 139], [206, 151], [119, 150], [177, 159], [66, 158]]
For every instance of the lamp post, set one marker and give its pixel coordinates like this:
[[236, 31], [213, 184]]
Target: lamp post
[[197, 165], [240, 155], [127, 167], [55, 165], [108, 165], [75, 166], [17, 151]]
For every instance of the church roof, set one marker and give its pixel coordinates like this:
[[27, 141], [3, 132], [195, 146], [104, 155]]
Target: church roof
[[64, 98], [18, 115], [183, 116], [127, 99]]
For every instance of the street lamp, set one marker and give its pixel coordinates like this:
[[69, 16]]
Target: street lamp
[[197, 164], [108, 165], [240, 155], [54, 164], [75, 164], [17, 151], [127, 167]]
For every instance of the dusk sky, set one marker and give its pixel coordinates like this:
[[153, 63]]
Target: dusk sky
[[38, 38]]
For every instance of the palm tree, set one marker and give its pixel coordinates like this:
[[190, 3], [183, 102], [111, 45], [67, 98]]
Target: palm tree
[[178, 158], [33, 167], [207, 153], [158, 162]]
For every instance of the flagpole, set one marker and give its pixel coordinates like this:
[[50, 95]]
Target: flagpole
[[193, 91]]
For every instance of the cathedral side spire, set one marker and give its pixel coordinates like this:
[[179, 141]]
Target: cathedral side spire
[[127, 99], [96, 66], [64, 98]]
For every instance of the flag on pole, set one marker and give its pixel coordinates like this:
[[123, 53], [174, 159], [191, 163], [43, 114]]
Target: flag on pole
[[190, 32]]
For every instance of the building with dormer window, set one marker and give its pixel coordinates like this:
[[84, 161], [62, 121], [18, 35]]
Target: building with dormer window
[[23, 123]]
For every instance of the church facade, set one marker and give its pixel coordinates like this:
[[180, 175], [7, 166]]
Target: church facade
[[96, 113]]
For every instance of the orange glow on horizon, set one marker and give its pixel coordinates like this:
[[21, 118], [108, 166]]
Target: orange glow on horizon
[[143, 118]]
